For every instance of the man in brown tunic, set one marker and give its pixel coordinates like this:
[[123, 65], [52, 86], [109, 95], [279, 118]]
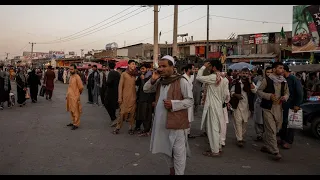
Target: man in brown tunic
[[75, 89], [49, 77], [127, 97]]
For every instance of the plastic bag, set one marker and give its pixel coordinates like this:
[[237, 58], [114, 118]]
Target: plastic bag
[[42, 91], [27, 94], [295, 120]]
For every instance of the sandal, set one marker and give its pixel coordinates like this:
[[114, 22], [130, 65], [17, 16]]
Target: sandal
[[211, 154], [286, 146], [204, 134], [143, 134], [116, 131], [131, 132]]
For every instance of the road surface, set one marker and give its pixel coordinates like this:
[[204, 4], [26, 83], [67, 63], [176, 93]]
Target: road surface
[[35, 140]]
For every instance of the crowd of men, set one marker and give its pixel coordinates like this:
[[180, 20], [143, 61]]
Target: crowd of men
[[161, 103]]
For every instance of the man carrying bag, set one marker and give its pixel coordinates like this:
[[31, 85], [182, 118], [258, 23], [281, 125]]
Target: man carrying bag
[[295, 99]]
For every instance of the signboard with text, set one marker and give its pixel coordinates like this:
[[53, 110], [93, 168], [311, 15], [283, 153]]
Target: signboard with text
[[306, 28]]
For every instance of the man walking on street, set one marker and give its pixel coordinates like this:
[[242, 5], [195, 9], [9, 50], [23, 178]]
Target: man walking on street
[[273, 91], [144, 103], [94, 80], [242, 101], [89, 86], [5, 88], [111, 95], [294, 102], [49, 77], [173, 98], [127, 97], [196, 89], [188, 72], [213, 105], [103, 81], [73, 98]]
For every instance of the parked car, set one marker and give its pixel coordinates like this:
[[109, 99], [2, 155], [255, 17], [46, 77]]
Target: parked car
[[311, 115]]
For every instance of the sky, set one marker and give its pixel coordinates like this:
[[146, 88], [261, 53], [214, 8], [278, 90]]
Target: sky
[[75, 27]]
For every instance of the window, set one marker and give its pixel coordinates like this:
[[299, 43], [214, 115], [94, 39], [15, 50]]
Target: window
[[272, 38]]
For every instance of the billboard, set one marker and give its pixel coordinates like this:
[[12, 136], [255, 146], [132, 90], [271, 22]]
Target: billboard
[[306, 28], [56, 54], [36, 55]]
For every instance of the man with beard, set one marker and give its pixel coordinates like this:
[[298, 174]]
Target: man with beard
[[21, 82], [273, 91], [103, 81], [89, 85], [73, 98], [257, 115], [173, 98], [144, 101], [94, 80], [188, 72], [242, 101], [127, 97], [196, 90], [213, 105], [5, 87], [295, 100], [49, 77], [111, 95], [34, 83]]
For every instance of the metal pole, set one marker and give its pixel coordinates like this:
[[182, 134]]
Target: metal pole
[[32, 43], [155, 34], [207, 48], [175, 31], [167, 47]]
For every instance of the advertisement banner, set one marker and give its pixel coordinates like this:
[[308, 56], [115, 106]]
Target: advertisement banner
[[36, 55], [56, 54], [306, 28], [251, 39]]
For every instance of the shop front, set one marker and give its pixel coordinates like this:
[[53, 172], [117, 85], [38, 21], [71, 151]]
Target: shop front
[[68, 62]]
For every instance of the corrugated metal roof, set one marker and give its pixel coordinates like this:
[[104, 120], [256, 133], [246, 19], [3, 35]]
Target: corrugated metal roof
[[270, 55]]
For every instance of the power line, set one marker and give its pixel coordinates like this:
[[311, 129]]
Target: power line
[[170, 30], [141, 26], [249, 20], [92, 31], [93, 25]]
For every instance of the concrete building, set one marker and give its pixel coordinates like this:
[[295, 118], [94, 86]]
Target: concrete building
[[261, 48]]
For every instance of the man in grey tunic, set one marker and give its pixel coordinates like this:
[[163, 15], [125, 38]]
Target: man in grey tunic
[[165, 139], [95, 85]]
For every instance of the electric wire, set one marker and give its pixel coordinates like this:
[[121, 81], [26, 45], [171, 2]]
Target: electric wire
[[97, 29], [140, 26], [169, 30], [94, 24]]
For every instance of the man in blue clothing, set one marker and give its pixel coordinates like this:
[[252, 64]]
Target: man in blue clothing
[[294, 102]]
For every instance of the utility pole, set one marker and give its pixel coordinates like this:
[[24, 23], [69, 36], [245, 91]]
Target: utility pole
[[175, 31], [207, 48], [81, 52], [32, 43], [7, 54], [167, 47], [155, 38]]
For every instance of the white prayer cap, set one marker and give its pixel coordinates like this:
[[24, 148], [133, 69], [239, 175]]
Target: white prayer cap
[[170, 58]]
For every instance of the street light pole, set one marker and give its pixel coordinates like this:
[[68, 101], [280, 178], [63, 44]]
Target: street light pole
[[207, 48], [175, 31], [155, 38]]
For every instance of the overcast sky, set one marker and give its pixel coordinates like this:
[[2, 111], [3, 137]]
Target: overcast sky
[[47, 24]]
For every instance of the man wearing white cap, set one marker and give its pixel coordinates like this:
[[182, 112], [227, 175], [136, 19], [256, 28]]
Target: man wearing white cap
[[173, 98]]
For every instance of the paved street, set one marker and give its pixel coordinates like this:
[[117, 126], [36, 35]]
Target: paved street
[[35, 140]]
